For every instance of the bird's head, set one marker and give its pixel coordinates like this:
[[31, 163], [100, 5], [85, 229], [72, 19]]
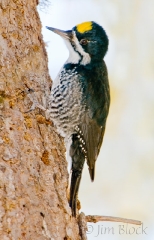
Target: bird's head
[[86, 42]]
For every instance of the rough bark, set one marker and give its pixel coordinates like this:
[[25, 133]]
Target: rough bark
[[33, 169]]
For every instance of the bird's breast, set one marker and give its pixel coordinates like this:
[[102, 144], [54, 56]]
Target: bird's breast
[[65, 102]]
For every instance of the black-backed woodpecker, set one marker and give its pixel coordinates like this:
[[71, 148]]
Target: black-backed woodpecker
[[80, 98]]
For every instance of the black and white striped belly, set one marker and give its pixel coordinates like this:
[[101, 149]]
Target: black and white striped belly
[[65, 101]]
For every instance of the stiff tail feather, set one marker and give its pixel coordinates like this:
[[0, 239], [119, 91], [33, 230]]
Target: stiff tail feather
[[78, 160], [75, 183]]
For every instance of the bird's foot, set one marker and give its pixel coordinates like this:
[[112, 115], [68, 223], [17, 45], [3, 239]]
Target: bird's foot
[[78, 204]]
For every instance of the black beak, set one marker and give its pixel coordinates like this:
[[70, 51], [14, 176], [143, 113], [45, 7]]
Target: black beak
[[64, 34]]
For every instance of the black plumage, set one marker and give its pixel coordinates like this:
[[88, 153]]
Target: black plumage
[[80, 99]]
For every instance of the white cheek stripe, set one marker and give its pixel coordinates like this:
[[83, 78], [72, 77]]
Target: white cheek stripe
[[74, 57]]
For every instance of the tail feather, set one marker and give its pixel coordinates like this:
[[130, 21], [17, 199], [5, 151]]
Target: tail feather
[[78, 160], [75, 183]]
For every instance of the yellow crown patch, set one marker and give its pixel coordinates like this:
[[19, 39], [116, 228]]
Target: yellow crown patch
[[84, 27]]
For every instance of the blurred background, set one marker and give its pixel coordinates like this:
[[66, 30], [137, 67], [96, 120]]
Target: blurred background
[[124, 183]]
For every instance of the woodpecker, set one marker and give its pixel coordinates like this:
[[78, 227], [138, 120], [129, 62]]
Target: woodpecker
[[80, 98]]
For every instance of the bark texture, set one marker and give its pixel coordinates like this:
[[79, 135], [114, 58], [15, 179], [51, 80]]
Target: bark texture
[[33, 169]]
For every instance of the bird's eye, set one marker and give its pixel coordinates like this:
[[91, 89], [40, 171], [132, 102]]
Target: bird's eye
[[84, 41]]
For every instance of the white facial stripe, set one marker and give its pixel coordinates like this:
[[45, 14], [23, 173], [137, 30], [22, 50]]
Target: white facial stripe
[[74, 56]]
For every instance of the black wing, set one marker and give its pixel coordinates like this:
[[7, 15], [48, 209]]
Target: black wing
[[93, 137], [94, 120]]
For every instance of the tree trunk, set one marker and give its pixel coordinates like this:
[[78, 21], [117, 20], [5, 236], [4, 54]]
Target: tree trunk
[[33, 169]]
